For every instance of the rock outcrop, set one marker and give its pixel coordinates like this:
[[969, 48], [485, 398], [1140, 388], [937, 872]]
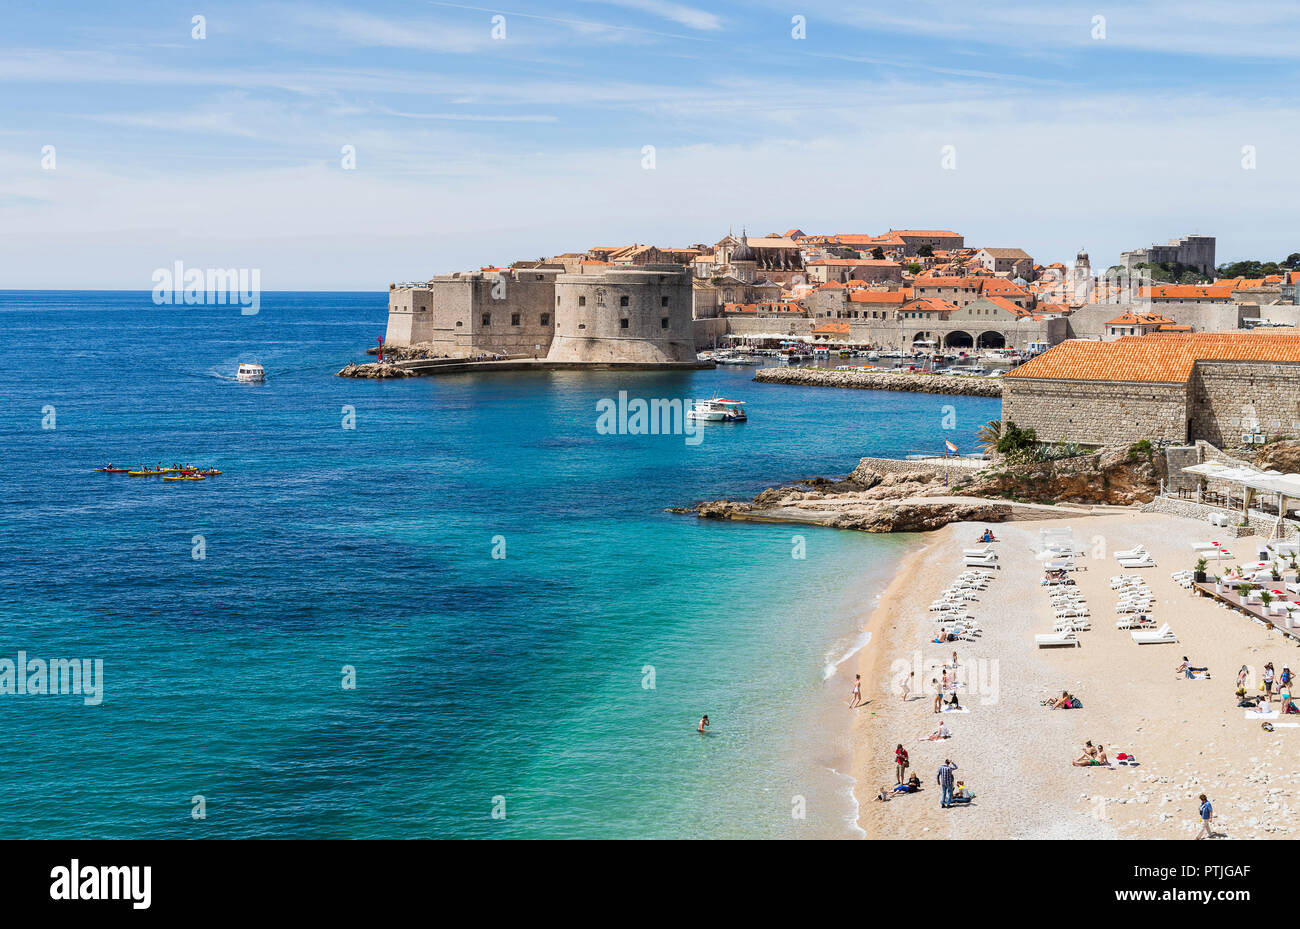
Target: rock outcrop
[[915, 382], [871, 501], [1282, 455], [374, 370], [1110, 476]]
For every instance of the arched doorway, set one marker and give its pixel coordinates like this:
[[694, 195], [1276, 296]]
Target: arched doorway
[[992, 340], [959, 339]]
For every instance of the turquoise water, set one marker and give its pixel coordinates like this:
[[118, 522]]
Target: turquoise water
[[481, 682]]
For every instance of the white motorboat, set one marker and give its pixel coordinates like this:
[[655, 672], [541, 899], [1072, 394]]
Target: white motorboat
[[250, 373], [718, 411]]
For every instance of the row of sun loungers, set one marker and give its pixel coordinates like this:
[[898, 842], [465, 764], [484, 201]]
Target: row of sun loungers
[[1135, 603], [952, 609], [1069, 610]]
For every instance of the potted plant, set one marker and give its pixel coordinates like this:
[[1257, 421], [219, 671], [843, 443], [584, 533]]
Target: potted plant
[[1243, 590], [1265, 598], [1277, 575], [1218, 584], [1200, 571]]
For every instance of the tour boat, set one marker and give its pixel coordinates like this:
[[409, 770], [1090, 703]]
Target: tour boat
[[718, 411], [250, 373]]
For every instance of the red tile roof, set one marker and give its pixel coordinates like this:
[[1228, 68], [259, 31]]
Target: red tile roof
[[1160, 358]]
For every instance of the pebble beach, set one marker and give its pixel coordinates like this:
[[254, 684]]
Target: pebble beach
[[1188, 736]]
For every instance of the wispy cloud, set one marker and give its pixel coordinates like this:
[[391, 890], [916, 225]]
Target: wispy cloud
[[679, 13]]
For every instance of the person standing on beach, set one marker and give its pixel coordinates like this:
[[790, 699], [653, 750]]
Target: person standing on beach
[[1268, 682], [945, 782], [857, 691], [900, 763], [907, 685], [938, 694], [1207, 817]]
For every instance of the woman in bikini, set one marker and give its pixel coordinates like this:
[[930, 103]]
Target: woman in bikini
[[1088, 758]]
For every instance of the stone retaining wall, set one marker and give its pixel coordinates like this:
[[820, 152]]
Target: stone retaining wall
[[882, 380], [1257, 523], [948, 474]]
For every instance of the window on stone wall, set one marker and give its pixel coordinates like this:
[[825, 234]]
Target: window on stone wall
[[622, 323], [663, 323], [663, 301], [514, 319], [582, 301], [487, 319], [622, 301], [582, 325], [557, 299], [546, 319]]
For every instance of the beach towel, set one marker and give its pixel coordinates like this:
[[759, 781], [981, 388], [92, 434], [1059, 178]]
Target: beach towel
[[1261, 714], [959, 709]]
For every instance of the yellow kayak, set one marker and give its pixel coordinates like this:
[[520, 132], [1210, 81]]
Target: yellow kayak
[[184, 477]]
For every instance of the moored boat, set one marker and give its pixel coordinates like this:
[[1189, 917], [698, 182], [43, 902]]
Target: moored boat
[[718, 411]]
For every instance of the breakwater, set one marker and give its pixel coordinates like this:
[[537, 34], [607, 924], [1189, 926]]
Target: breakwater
[[915, 382]]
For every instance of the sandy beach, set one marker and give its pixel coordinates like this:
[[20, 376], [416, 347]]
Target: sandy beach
[[1188, 736]]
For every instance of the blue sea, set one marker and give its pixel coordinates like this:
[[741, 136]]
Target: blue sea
[[531, 638]]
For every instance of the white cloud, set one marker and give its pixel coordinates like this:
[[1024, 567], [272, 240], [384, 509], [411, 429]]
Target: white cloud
[[680, 13], [1048, 180]]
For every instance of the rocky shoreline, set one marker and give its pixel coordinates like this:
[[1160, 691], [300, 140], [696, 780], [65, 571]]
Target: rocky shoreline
[[916, 382], [374, 369], [922, 500]]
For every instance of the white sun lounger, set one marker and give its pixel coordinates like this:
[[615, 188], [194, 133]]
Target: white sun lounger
[[1160, 636], [1047, 639], [1130, 622]]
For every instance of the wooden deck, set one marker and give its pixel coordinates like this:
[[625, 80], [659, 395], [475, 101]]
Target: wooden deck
[[1254, 610]]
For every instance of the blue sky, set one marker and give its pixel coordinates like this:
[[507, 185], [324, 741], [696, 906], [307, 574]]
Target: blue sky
[[226, 151]]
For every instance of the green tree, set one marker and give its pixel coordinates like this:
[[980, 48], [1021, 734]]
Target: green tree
[[1014, 439], [989, 434], [878, 253], [925, 251]]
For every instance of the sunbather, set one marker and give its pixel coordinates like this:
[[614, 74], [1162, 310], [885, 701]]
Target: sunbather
[[939, 734], [962, 794], [1289, 708], [1060, 703], [1089, 756], [952, 702], [1202, 674]]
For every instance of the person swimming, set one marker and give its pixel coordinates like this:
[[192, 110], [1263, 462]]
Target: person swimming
[[704, 724]]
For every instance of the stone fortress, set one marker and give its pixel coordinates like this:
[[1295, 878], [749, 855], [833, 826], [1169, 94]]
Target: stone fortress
[[594, 314]]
